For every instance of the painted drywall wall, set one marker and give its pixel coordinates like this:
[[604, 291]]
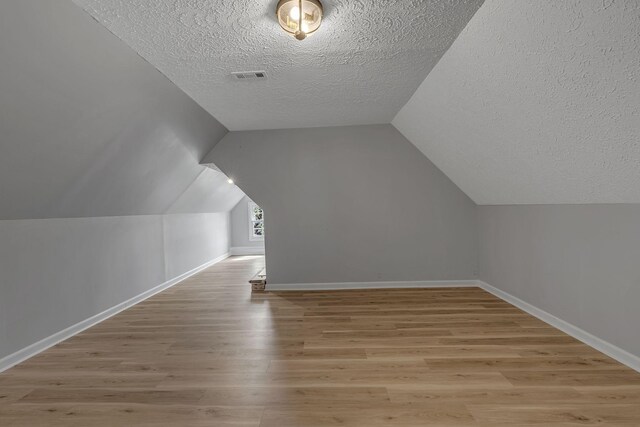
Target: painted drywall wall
[[351, 204], [239, 217], [95, 144], [577, 262], [194, 239], [88, 128], [58, 272], [536, 102]]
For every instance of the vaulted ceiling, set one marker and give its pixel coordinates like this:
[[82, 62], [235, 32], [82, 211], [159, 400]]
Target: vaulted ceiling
[[522, 103], [534, 102], [361, 67]]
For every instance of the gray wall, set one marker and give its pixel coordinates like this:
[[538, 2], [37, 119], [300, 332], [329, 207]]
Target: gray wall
[[58, 272], [102, 196], [351, 204], [240, 226], [577, 262]]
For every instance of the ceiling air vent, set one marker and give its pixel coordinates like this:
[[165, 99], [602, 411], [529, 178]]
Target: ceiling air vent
[[249, 75]]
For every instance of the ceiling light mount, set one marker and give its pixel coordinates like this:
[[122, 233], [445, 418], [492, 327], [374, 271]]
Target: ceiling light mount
[[299, 17]]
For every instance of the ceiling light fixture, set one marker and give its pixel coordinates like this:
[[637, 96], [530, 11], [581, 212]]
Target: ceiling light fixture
[[299, 17]]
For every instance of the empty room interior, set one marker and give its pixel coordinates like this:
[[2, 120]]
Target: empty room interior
[[310, 213]]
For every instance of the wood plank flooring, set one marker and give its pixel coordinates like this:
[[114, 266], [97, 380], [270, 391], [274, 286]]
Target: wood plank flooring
[[209, 353]]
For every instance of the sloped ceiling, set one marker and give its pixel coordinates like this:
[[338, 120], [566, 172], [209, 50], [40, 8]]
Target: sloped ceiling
[[88, 128], [536, 102], [361, 67], [209, 192]]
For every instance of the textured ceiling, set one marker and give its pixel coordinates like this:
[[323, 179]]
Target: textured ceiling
[[361, 67], [537, 102]]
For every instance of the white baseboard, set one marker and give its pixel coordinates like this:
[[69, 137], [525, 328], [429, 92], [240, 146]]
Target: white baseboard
[[246, 250], [371, 285], [599, 344], [30, 351]]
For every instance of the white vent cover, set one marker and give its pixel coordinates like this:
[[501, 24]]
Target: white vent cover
[[249, 75]]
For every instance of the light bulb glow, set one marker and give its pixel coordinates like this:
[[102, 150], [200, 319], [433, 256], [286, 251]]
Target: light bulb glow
[[295, 13], [299, 21], [230, 181]]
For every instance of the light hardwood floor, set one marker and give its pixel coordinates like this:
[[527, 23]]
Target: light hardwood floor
[[208, 353]]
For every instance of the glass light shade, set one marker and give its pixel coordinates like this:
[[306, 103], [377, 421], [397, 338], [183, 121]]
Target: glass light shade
[[299, 17]]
